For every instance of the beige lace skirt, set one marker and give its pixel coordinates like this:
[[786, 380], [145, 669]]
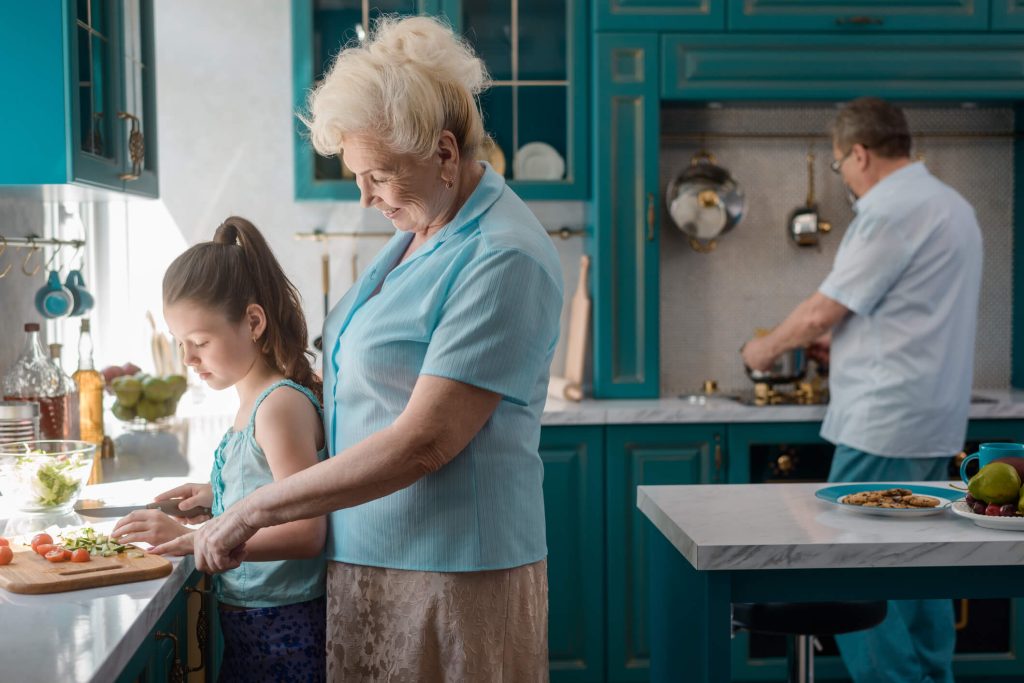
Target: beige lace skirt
[[398, 625]]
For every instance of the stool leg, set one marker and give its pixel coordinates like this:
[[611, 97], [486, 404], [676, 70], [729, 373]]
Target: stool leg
[[801, 659]]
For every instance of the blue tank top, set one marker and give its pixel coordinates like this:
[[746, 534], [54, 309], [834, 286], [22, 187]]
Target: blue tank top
[[239, 468]]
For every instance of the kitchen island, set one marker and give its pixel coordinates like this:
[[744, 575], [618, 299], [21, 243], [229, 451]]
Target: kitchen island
[[102, 634], [712, 546]]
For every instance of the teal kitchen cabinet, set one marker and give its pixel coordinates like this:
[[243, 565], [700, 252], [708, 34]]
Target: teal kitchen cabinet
[[1007, 15], [164, 653], [659, 15], [80, 87], [637, 455], [814, 67], [626, 214], [574, 509], [780, 16], [535, 52]]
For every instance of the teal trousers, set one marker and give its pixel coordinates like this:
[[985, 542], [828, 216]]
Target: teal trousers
[[916, 640]]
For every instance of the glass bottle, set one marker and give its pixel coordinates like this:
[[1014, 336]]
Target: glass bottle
[[90, 390], [70, 390], [34, 378]]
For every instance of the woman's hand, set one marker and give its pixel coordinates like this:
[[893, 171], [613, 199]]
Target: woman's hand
[[192, 495], [147, 526], [219, 545], [183, 546]]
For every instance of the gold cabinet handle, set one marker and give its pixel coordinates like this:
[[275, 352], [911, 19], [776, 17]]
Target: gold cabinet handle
[[962, 619], [136, 146], [860, 20], [202, 626], [178, 672], [650, 216]]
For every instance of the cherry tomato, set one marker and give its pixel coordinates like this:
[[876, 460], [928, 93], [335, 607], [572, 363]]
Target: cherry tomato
[[80, 555], [4, 541], [41, 538], [56, 555], [6, 554], [44, 548], [67, 554]]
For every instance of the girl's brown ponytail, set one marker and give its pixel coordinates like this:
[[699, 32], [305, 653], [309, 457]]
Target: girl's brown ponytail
[[234, 270]]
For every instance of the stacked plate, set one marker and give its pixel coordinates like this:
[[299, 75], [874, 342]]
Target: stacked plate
[[19, 421]]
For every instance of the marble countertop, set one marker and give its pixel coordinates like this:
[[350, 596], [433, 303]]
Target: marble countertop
[[85, 635], [783, 526], [992, 404]]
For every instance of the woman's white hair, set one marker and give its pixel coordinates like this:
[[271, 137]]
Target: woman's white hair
[[411, 79]]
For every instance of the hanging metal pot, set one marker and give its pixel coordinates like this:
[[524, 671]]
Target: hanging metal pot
[[805, 223], [705, 202]]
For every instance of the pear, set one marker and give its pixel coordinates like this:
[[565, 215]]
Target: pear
[[996, 483], [1020, 502]]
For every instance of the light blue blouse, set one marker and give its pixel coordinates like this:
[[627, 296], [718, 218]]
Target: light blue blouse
[[239, 468], [480, 303], [909, 269]]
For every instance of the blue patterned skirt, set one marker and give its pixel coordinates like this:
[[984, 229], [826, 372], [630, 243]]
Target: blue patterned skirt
[[275, 643]]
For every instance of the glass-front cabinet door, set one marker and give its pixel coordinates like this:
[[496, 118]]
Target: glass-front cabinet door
[[535, 112], [320, 29], [97, 147], [137, 115]]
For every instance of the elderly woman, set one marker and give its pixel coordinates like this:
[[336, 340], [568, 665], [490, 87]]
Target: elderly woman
[[436, 367]]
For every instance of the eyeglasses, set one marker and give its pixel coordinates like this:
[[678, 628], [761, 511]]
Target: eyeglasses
[[837, 164]]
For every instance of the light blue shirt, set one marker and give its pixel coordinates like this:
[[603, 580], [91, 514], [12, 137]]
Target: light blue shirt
[[240, 467], [909, 270], [480, 303]]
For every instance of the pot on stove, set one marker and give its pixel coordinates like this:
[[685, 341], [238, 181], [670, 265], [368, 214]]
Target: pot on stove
[[790, 367]]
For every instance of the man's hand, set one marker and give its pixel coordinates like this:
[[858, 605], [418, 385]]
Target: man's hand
[[756, 354]]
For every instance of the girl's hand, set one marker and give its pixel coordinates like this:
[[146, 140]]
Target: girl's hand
[[218, 545], [147, 526], [192, 495], [183, 546]]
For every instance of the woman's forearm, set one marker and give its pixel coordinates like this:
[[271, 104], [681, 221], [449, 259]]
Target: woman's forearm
[[375, 467]]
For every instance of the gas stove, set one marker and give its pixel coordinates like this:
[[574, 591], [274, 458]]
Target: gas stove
[[804, 393]]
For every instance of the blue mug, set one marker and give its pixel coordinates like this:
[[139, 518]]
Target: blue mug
[[82, 299], [989, 453], [54, 300]]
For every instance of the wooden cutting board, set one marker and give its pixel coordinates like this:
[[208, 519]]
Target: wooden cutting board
[[32, 574], [576, 336]]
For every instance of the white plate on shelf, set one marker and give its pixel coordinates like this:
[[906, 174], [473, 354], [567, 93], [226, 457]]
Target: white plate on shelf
[[1005, 523], [538, 161]]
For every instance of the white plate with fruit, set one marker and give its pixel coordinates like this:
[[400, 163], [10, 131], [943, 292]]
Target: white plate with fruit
[[995, 497], [992, 516]]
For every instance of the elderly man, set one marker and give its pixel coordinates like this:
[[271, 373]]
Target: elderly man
[[897, 316]]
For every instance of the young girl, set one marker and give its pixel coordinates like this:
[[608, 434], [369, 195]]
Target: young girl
[[240, 324]]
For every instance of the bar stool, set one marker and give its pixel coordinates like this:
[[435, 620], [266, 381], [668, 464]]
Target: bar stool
[[804, 620]]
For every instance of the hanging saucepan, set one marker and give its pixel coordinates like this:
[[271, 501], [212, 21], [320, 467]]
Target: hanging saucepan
[[705, 202], [805, 223]]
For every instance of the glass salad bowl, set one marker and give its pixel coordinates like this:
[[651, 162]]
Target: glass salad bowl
[[45, 476]]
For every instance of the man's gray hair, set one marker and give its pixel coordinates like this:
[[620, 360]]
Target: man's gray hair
[[874, 123]]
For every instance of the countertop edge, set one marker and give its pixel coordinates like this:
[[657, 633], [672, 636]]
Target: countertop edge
[[123, 652]]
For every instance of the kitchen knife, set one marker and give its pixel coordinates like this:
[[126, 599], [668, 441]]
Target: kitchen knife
[[97, 508]]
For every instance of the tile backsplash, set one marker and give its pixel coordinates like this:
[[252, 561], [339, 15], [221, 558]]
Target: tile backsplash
[[711, 303]]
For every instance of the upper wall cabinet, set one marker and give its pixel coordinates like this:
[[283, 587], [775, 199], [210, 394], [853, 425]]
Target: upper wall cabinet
[[1007, 15], [860, 17], [79, 83], [535, 111], [660, 15]]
